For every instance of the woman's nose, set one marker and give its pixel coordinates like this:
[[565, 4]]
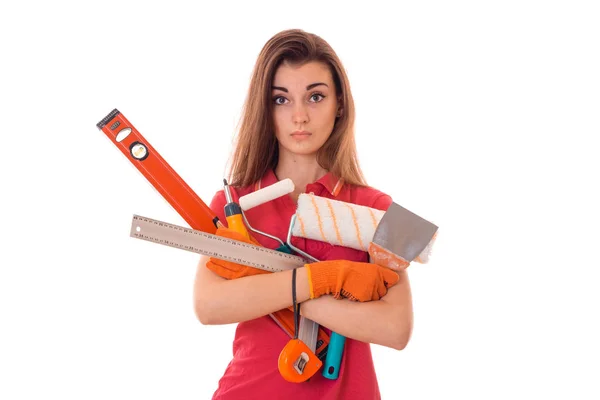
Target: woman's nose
[[300, 114]]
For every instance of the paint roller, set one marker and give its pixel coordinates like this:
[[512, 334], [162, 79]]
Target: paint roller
[[349, 225], [298, 360], [262, 196], [266, 194]]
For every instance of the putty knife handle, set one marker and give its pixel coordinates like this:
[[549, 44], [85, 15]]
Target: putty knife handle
[[331, 368]]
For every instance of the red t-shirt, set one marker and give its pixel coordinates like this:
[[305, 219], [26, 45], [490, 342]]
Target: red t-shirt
[[253, 373]]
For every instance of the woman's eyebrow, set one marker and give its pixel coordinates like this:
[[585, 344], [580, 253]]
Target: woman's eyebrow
[[312, 85]]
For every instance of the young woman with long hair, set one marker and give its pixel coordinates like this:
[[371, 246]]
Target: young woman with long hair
[[298, 123]]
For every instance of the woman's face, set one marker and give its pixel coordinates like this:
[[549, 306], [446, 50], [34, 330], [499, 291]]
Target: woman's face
[[304, 106]]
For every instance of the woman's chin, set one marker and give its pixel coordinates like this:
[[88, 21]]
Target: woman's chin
[[301, 148]]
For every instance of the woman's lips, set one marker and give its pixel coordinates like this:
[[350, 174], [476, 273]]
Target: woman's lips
[[299, 135]]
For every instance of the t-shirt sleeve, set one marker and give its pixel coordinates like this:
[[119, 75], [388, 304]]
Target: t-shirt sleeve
[[217, 205], [382, 202]]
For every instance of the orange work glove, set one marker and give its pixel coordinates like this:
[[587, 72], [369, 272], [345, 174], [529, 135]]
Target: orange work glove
[[358, 281], [230, 270]]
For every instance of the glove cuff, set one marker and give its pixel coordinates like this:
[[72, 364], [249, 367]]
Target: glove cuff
[[321, 278]]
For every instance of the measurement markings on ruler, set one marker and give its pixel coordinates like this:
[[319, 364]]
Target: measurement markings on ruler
[[212, 245]]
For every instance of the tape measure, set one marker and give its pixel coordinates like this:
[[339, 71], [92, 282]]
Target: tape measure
[[200, 242]]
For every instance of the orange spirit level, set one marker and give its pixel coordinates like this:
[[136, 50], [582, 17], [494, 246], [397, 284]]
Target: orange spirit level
[[158, 172], [297, 361]]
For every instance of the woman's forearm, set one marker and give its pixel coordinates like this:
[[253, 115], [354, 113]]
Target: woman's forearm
[[219, 301], [387, 322]]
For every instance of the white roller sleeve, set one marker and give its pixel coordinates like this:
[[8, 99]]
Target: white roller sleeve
[[336, 222], [268, 193]]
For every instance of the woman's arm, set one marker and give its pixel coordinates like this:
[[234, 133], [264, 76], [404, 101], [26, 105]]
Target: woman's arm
[[387, 322], [219, 301]]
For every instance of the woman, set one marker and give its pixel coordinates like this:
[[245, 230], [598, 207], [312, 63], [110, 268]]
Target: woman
[[298, 123]]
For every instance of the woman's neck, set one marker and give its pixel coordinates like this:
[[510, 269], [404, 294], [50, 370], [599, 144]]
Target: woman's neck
[[302, 170]]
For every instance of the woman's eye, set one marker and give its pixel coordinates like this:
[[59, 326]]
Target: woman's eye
[[317, 97], [279, 100]]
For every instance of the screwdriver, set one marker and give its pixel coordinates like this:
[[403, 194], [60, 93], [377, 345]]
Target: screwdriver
[[233, 213]]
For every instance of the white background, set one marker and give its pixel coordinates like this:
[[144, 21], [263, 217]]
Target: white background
[[479, 116]]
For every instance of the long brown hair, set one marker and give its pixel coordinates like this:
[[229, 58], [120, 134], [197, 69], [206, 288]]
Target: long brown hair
[[257, 149]]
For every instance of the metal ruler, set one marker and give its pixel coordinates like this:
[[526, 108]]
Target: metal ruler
[[188, 239], [211, 245]]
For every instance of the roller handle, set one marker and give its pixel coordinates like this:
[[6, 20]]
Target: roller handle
[[234, 219], [233, 213]]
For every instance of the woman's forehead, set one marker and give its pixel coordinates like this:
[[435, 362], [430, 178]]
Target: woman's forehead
[[297, 77]]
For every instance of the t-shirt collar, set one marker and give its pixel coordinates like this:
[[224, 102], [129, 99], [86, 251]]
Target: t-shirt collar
[[329, 181]]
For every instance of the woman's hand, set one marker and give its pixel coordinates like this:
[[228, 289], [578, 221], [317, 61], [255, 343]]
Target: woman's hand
[[358, 281]]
